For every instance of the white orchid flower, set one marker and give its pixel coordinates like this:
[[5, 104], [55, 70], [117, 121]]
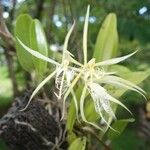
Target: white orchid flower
[[94, 75], [62, 79]]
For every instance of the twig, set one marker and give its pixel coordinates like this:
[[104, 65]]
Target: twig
[[71, 10], [11, 14], [65, 14], [50, 20], [39, 8], [5, 34], [8, 50]]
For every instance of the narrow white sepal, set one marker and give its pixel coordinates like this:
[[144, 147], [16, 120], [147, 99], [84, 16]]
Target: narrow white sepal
[[38, 88], [36, 53], [114, 60]]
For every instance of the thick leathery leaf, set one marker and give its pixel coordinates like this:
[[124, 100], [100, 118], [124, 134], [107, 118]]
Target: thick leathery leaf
[[78, 144], [38, 43], [22, 31], [72, 111], [107, 40]]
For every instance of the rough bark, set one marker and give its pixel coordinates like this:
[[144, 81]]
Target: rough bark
[[32, 129]]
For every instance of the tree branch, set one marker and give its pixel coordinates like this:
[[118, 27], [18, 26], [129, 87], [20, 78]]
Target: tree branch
[[5, 34], [39, 8], [9, 49], [50, 20]]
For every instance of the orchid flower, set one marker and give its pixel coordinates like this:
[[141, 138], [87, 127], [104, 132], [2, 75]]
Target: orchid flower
[[61, 73], [93, 76]]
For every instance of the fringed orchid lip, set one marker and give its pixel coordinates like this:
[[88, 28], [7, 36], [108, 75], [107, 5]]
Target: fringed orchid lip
[[94, 76]]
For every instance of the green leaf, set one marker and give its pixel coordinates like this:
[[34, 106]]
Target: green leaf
[[119, 69], [22, 31], [114, 61], [107, 40], [135, 77], [71, 116], [119, 125], [38, 43], [71, 136], [72, 110], [78, 144], [89, 110]]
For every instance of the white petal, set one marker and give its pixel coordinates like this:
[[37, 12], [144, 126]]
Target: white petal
[[75, 62], [75, 102], [61, 85], [38, 88], [69, 75], [83, 95], [85, 35], [100, 97], [124, 83], [97, 90], [106, 106], [114, 60], [101, 102], [107, 122], [66, 40], [59, 70], [37, 54], [102, 93], [127, 83], [118, 102], [115, 83], [68, 92]]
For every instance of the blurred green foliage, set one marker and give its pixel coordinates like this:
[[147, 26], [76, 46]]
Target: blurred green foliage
[[130, 141], [31, 33], [3, 145], [6, 88]]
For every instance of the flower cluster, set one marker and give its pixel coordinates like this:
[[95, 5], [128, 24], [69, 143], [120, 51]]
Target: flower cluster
[[68, 73]]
